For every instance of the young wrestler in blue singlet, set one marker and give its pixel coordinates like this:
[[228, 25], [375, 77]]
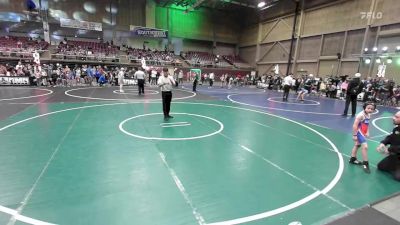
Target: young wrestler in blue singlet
[[360, 133]]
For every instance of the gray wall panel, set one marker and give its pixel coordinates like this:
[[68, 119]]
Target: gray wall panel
[[309, 47], [333, 44], [353, 43]]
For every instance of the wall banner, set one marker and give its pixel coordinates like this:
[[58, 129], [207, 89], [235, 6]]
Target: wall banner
[[81, 24], [14, 80], [148, 32]]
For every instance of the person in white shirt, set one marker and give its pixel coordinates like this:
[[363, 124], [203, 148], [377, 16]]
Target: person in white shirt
[[19, 66], [78, 75], [19, 69], [287, 83], [121, 75], [44, 77], [211, 79], [165, 82], [230, 82], [180, 77], [140, 76], [222, 78], [153, 80], [38, 75]]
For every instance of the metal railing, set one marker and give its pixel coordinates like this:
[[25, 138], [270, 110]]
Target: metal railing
[[98, 58]]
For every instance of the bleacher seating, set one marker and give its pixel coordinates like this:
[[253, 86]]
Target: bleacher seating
[[11, 46], [87, 48], [205, 59], [152, 57], [199, 58], [236, 61]]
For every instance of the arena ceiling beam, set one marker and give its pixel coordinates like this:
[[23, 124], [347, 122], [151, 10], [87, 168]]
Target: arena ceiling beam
[[195, 5], [244, 4]]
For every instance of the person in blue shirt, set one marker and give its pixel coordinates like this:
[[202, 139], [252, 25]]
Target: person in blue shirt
[[102, 80]]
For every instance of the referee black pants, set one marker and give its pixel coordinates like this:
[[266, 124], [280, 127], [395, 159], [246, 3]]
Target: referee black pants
[[166, 101], [286, 90], [141, 86], [194, 85], [391, 164], [353, 100]]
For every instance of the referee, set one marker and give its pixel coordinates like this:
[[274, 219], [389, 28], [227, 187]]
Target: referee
[[165, 82], [140, 76]]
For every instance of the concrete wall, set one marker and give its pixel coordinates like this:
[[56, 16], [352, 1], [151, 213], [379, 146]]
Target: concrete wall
[[323, 32], [248, 54]]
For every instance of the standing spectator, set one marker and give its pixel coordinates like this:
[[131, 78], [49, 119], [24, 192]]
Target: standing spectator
[[44, 77], [211, 79], [180, 77], [195, 81], [19, 67], [3, 70], [302, 91], [165, 82], [309, 82], [230, 82], [38, 75], [121, 76], [354, 88], [176, 77], [343, 87], [391, 163], [153, 77], [203, 78], [297, 84], [78, 74], [222, 78], [188, 76]]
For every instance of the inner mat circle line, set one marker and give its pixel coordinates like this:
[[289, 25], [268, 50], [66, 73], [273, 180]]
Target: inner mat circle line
[[226, 91], [130, 92], [254, 217], [286, 110], [121, 128], [271, 99], [32, 96]]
